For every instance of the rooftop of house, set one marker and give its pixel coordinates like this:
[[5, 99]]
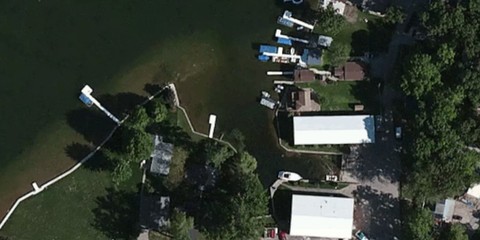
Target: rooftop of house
[[303, 75], [154, 212], [161, 156], [304, 100], [351, 71]]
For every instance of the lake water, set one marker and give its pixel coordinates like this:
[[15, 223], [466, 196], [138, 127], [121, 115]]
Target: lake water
[[50, 49]]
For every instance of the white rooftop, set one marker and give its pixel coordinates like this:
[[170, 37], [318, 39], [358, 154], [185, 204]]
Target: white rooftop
[[348, 129], [474, 191], [318, 216]]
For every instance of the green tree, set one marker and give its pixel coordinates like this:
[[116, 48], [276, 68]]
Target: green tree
[[418, 224], [241, 214], [177, 168], [420, 76], [138, 119], [137, 144], [122, 172], [157, 111], [394, 15], [216, 153], [180, 224], [338, 54], [237, 139], [445, 55], [244, 163], [454, 232], [329, 22]]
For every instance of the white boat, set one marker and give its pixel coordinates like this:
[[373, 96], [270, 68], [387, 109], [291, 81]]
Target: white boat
[[289, 176]]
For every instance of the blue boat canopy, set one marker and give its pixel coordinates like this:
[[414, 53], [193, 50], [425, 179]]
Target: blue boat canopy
[[268, 48], [85, 100], [263, 58], [285, 41]]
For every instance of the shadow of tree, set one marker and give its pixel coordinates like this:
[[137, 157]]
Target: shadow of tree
[[91, 123], [152, 88], [172, 134], [97, 162], [116, 214], [380, 213], [375, 39], [367, 92], [120, 103]]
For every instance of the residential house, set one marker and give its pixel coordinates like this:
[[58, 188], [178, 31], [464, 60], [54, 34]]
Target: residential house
[[303, 76], [305, 100], [338, 5], [351, 71], [161, 156], [154, 212]]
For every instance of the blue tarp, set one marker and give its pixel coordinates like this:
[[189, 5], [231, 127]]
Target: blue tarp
[[268, 48], [86, 100], [285, 41], [263, 58]]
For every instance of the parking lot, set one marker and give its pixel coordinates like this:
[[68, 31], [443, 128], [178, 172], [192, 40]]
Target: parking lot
[[374, 170]]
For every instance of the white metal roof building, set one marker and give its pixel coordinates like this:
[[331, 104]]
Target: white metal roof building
[[318, 216], [474, 191], [347, 129]]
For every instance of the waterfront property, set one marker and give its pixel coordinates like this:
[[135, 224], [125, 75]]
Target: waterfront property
[[320, 216], [340, 129], [304, 100], [161, 156], [351, 71]]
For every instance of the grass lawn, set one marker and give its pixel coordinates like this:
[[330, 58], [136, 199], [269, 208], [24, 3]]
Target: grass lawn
[[337, 96], [81, 206]]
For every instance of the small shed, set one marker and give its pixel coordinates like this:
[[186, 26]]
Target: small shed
[[161, 156]]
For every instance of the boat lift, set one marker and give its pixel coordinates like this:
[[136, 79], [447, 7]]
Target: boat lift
[[279, 35], [287, 15], [89, 100]]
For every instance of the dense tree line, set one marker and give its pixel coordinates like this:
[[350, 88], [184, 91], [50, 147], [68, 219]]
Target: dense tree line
[[222, 197], [438, 75], [441, 76]]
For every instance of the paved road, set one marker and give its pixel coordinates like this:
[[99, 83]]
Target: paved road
[[376, 167]]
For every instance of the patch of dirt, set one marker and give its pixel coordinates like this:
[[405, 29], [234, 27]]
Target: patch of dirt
[[351, 13]]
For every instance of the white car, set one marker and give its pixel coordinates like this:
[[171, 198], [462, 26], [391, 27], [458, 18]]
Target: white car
[[289, 176], [398, 132]]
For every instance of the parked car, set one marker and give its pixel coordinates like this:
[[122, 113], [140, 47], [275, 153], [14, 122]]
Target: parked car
[[289, 176], [361, 236], [398, 132]]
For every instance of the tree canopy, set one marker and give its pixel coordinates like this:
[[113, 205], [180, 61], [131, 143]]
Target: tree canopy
[[329, 22], [418, 224], [338, 54], [420, 76], [454, 232], [180, 224]]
